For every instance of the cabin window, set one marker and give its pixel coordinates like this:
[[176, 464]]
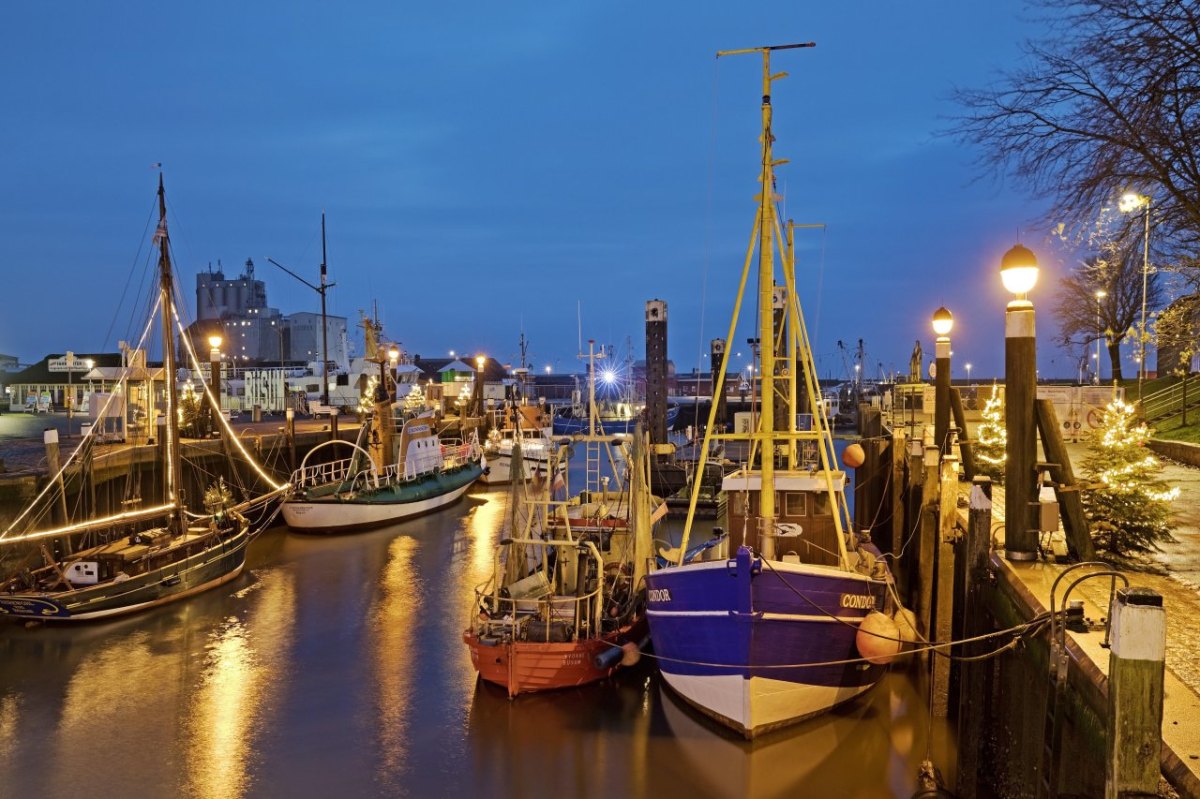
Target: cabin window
[[795, 503], [821, 505]]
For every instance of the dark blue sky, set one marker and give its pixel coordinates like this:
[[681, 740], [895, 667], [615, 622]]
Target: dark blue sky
[[488, 165]]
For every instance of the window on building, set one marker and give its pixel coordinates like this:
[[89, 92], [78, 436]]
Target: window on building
[[795, 503]]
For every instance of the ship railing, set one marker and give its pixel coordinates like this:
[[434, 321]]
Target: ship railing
[[322, 473], [533, 597]]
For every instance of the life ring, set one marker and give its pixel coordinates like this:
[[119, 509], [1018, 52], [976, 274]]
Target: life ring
[[1094, 419]]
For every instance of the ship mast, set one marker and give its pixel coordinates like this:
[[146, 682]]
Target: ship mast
[[764, 229], [174, 472]]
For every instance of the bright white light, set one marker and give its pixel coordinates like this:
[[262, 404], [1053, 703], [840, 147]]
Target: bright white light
[[1131, 201], [1019, 270], [549, 369], [608, 376]]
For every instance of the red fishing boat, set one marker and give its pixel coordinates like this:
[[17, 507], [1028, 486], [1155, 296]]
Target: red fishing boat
[[565, 603]]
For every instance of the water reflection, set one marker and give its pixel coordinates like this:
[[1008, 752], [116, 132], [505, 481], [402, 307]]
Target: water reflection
[[336, 667], [393, 615], [236, 690]]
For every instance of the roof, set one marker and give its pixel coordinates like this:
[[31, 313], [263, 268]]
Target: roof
[[40, 372]]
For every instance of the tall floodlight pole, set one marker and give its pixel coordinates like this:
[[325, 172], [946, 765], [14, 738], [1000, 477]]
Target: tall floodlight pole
[[321, 289], [1019, 271]]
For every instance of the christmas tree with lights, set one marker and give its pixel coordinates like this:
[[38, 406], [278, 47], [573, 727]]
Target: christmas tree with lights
[[1127, 502], [990, 445]]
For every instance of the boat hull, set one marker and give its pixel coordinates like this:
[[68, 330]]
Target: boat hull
[[205, 570], [500, 468], [760, 646], [336, 514], [522, 667]]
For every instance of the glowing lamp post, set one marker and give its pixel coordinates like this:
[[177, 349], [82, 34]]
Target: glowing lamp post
[[214, 372], [943, 323], [1131, 202], [1100, 295], [1019, 272]]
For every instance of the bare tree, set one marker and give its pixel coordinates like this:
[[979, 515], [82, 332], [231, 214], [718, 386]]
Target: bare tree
[[1084, 317], [1107, 103]]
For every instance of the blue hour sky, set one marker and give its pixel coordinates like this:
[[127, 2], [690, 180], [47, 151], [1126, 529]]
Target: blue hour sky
[[488, 167]]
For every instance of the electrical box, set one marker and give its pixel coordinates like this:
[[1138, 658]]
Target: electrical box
[[1048, 515]]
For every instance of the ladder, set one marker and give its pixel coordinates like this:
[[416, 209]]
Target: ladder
[[592, 467]]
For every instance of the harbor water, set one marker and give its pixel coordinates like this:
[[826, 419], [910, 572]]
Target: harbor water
[[334, 666]]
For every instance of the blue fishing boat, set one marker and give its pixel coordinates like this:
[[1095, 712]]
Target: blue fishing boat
[[799, 619]]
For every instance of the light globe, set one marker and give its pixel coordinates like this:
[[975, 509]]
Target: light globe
[[1019, 270], [943, 321]]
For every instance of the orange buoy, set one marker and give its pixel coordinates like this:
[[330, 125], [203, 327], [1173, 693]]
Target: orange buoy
[[630, 654], [878, 639], [906, 623], [853, 456]]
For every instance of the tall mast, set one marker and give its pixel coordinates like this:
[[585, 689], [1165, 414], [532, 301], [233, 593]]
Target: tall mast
[[324, 322], [174, 473], [766, 313]]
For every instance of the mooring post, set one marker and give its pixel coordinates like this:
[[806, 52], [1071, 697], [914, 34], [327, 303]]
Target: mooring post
[[943, 612], [54, 464], [290, 429], [1135, 693], [928, 543], [972, 682], [333, 425], [899, 451]]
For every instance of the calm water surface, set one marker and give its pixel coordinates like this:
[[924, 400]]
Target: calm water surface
[[335, 667]]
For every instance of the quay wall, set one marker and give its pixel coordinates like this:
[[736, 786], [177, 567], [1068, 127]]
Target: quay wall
[[1178, 451], [120, 471]]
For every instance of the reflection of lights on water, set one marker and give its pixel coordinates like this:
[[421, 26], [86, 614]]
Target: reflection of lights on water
[[483, 530], [240, 668], [8, 729], [395, 609], [224, 710]]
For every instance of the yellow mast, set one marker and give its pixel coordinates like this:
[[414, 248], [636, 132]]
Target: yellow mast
[[764, 229]]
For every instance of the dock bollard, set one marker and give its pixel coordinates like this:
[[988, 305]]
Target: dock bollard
[[1135, 693]]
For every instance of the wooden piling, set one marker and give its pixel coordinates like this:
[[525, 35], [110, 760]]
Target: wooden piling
[[1070, 504], [333, 426], [1135, 694], [927, 544], [895, 494], [54, 465], [943, 612], [966, 446], [972, 676], [290, 433]]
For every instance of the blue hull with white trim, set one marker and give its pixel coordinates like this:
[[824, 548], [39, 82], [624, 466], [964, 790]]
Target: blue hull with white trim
[[741, 639]]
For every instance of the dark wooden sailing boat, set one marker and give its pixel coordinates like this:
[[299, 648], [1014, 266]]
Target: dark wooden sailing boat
[[142, 557]]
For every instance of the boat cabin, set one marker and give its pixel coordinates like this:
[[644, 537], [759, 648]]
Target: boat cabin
[[804, 513]]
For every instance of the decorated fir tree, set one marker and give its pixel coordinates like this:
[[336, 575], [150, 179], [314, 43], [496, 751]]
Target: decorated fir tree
[[1127, 502], [366, 399], [992, 439], [414, 401]]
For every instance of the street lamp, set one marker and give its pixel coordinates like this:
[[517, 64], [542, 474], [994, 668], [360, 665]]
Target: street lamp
[[214, 367], [1130, 202], [968, 367], [943, 323], [1019, 273], [1100, 295]]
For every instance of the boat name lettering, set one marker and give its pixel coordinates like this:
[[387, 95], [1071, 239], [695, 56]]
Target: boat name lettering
[[659, 595], [859, 601], [421, 428]]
